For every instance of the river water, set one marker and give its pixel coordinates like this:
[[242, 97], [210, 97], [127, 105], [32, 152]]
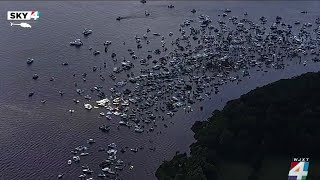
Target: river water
[[36, 139]]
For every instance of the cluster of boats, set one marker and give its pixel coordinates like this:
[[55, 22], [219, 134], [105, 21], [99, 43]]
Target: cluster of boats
[[187, 67]]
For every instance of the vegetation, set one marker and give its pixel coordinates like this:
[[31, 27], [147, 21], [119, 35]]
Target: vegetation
[[282, 118]]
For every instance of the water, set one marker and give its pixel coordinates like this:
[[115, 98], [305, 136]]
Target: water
[[36, 138]]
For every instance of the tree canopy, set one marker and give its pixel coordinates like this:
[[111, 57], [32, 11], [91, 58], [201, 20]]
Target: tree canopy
[[281, 118]]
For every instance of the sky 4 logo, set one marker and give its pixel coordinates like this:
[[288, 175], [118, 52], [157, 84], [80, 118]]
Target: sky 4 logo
[[299, 169], [23, 15]]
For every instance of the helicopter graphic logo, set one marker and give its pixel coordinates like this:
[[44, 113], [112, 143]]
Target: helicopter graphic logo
[[22, 16], [24, 25]]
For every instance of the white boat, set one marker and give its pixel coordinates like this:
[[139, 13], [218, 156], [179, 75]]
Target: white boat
[[76, 158], [112, 146], [77, 43], [91, 141], [88, 106], [86, 32], [87, 171], [138, 130], [84, 154], [107, 43], [60, 176], [108, 170], [69, 162], [101, 175], [103, 102], [134, 150]]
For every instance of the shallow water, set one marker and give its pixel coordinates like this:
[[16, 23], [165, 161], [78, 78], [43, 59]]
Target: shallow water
[[36, 138]]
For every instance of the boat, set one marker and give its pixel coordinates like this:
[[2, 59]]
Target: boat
[[30, 61], [170, 6], [227, 11], [60, 176], [102, 175], [35, 76], [107, 43], [82, 176], [88, 106], [91, 141], [138, 130], [95, 52], [76, 158], [112, 146], [122, 123], [31, 94], [86, 32], [119, 18], [109, 117], [108, 170], [119, 168], [156, 34], [77, 43], [134, 150], [104, 128], [87, 171], [69, 162], [84, 154]]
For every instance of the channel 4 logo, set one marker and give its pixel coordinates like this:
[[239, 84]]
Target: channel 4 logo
[[23, 15], [299, 169]]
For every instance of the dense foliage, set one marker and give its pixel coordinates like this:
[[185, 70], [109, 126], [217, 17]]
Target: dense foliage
[[282, 118]]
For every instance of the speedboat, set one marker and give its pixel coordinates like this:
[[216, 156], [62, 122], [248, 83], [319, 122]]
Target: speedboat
[[171, 6], [77, 43], [35, 76], [107, 43], [134, 150], [102, 175], [91, 141], [60, 176], [87, 171], [76, 158], [95, 52], [138, 130], [122, 123], [30, 61], [88, 106], [119, 18], [84, 154], [119, 168], [109, 117], [82, 176], [108, 170], [86, 32], [112, 146]]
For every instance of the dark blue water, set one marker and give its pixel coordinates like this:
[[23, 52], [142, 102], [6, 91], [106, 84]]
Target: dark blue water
[[36, 139]]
